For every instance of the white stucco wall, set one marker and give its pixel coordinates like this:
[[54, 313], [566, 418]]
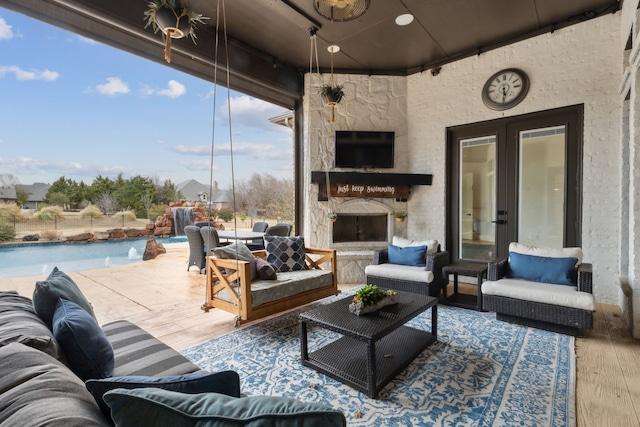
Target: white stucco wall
[[577, 65], [581, 64]]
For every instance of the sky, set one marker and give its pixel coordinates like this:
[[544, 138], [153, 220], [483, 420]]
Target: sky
[[77, 108]]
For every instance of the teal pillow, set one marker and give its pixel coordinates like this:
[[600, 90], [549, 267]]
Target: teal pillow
[[87, 349], [57, 285], [409, 255], [144, 407], [226, 382], [559, 271]]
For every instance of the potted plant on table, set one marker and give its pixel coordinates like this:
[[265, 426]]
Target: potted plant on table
[[400, 215], [371, 298]]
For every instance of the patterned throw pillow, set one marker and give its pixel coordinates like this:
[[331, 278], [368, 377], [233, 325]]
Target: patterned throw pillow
[[285, 253]]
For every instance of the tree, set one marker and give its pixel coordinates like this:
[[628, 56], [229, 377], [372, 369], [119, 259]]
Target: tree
[[129, 194], [147, 202], [22, 197], [57, 199], [167, 193], [8, 180], [267, 194], [106, 203]]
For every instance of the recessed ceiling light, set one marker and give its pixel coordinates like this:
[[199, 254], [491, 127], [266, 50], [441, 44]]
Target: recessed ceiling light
[[404, 19]]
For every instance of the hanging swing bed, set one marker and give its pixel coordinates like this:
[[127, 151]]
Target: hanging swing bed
[[253, 285]]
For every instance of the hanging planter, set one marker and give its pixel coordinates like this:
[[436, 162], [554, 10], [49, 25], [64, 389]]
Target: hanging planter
[[332, 216], [399, 215], [332, 95], [174, 19]]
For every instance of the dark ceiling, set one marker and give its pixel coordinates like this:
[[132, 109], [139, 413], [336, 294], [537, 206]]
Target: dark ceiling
[[269, 40]]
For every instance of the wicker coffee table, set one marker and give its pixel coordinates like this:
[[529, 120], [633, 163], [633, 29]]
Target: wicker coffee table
[[375, 347]]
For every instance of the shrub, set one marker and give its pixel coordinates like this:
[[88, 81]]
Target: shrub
[[91, 211], [156, 211], [126, 215], [48, 213], [225, 214], [51, 235], [10, 212], [7, 233]]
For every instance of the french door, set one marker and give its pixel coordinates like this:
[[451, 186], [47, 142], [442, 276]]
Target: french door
[[514, 179]]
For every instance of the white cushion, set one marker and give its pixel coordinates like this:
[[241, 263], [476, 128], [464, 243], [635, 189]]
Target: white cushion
[[432, 245], [547, 252], [400, 272], [546, 293]]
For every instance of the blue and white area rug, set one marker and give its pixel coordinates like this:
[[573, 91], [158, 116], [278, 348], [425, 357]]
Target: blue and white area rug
[[480, 372]]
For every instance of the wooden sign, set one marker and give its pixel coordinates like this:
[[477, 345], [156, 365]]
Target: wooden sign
[[369, 191]]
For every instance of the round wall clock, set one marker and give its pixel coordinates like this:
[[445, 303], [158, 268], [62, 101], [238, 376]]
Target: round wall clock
[[505, 89]]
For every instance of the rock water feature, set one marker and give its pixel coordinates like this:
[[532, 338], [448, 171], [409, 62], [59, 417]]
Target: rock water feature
[[182, 216]]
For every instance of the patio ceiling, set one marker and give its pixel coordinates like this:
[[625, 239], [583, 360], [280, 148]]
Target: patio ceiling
[[269, 41]]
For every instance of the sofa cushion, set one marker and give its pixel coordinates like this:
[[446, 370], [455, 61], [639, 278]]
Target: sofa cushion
[[560, 271], [238, 250], [432, 245], [226, 382], [88, 351], [288, 284], [546, 293], [20, 323], [136, 352], [57, 285], [547, 252], [400, 272], [38, 390], [409, 255], [285, 253], [151, 407], [265, 270]]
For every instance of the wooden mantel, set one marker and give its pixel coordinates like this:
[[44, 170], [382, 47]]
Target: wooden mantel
[[401, 182]]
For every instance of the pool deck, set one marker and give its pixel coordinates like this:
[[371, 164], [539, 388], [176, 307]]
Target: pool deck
[[164, 299]]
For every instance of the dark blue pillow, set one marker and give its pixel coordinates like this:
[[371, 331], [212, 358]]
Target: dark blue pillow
[[87, 349], [226, 382], [560, 271], [409, 255]]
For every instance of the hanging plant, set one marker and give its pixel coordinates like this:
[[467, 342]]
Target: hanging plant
[[332, 216], [174, 19], [332, 94], [399, 215]]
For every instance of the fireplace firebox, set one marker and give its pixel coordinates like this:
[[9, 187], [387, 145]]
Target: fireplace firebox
[[360, 228]]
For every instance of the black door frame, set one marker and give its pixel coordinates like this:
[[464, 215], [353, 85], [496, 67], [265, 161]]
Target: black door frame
[[507, 136]]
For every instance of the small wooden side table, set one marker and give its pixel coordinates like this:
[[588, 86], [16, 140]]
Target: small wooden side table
[[470, 269]]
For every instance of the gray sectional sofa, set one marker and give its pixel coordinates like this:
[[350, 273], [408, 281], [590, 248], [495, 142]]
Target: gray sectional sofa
[[59, 368]]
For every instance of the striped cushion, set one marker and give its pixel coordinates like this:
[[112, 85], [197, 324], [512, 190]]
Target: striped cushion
[[138, 353]]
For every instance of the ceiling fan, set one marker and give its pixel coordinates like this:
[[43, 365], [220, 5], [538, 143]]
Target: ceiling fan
[[341, 10]]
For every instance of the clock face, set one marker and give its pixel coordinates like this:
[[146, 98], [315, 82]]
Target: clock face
[[505, 89]]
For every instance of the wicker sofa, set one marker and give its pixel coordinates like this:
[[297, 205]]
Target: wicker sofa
[[563, 308], [426, 280], [232, 284]]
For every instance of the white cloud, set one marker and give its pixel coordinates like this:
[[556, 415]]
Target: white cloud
[[249, 149], [175, 90], [198, 165], [21, 74], [28, 165], [253, 112], [5, 30], [114, 86]]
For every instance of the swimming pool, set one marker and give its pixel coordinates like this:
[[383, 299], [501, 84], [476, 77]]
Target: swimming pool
[[39, 259]]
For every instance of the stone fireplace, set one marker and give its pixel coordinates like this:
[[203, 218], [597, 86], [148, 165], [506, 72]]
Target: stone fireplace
[[356, 228]]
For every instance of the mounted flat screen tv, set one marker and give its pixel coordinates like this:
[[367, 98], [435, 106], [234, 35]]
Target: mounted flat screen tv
[[364, 149]]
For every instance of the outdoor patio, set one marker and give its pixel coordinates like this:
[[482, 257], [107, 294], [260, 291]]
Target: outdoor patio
[[163, 298]]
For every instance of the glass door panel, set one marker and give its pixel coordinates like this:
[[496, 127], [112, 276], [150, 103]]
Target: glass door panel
[[477, 237], [541, 189]]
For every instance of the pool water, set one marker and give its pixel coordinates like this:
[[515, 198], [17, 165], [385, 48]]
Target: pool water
[[39, 259]]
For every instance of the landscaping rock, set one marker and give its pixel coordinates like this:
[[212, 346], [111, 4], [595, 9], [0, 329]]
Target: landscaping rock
[[137, 232], [31, 238], [152, 250], [101, 235], [116, 233], [82, 237]]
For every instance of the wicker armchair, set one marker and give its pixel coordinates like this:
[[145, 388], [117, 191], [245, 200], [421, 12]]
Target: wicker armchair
[[558, 308]]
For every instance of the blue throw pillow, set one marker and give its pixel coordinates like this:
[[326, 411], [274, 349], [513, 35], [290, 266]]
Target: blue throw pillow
[[560, 271], [410, 255], [226, 382], [87, 349], [144, 407], [57, 285]]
